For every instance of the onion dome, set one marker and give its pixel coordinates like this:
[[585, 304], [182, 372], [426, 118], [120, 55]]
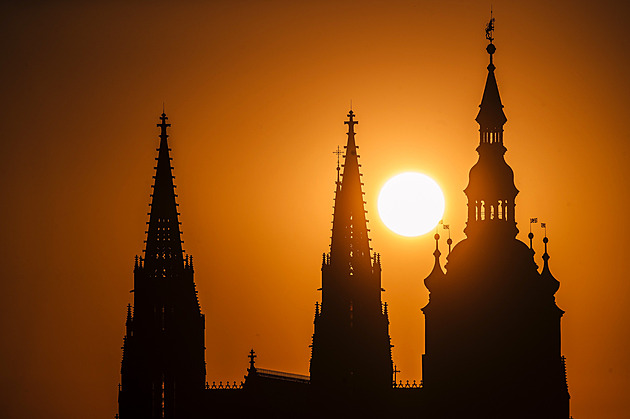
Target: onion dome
[[437, 274], [549, 282]]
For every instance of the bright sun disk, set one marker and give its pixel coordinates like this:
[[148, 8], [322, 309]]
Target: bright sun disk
[[411, 204]]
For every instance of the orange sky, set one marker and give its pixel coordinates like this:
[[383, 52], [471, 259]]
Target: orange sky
[[257, 93]]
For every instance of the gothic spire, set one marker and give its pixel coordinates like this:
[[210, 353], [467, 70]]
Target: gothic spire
[[350, 238], [163, 246]]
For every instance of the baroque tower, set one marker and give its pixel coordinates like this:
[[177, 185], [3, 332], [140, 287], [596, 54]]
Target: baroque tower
[[163, 367], [492, 344], [351, 346]]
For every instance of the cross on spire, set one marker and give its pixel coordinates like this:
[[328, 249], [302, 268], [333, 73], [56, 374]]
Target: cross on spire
[[163, 125], [339, 153], [351, 122], [252, 356]]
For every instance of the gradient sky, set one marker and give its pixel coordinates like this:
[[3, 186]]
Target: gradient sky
[[257, 92]]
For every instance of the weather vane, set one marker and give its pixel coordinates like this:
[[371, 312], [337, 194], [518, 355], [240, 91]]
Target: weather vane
[[490, 28]]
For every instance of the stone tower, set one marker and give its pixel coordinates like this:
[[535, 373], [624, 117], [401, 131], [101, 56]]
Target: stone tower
[[492, 346], [351, 345], [163, 367]]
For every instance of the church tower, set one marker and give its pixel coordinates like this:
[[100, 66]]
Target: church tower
[[492, 346], [163, 367], [351, 346]]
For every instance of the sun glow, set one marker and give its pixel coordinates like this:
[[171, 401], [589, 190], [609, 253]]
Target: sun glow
[[411, 204]]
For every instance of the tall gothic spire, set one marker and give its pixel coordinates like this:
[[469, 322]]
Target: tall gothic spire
[[164, 245], [350, 233], [163, 368], [351, 345]]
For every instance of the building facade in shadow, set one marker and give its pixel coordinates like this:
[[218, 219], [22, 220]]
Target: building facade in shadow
[[163, 371], [351, 348], [492, 337]]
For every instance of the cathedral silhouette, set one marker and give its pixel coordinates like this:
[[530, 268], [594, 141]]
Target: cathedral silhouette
[[492, 337]]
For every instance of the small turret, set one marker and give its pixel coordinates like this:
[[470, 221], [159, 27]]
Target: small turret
[[437, 274], [550, 283]]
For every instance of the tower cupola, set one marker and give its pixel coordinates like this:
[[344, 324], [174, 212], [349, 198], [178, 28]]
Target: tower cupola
[[491, 191]]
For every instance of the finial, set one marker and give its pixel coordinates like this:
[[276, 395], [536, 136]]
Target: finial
[[396, 371], [449, 241], [338, 152], [545, 240], [252, 356], [491, 49], [351, 122], [163, 125], [531, 235], [437, 252], [551, 282], [490, 28]]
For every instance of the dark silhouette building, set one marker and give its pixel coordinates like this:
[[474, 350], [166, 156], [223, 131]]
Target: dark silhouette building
[[163, 371], [492, 336], [351, 346], [492, 324]]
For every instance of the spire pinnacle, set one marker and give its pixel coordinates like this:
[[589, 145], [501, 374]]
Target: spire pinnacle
[[491, 117], [549, 281], [351, 122], [164, 246], [163, 125], [252, 355], [349, 222], [545, 255], [339, 153]]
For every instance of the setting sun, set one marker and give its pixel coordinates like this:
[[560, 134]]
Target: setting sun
[[411, 204]]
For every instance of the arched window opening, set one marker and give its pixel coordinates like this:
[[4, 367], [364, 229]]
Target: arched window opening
[[483, 210], [500, 210]]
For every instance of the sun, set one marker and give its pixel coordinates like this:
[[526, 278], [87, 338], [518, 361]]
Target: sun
[[411, 204]]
